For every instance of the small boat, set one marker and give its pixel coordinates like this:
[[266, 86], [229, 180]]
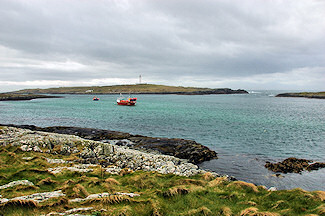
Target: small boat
[[95, 98], [130, 101]]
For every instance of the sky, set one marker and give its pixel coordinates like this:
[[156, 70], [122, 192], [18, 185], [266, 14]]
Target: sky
[[239, 44]]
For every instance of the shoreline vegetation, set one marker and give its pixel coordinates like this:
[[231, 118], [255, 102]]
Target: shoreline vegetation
[[59, 174], [316, 95], [133, 89], [17, 97]]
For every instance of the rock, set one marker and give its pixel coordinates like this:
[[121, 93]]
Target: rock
[[37, 197], [16, 183], [272, 189], [102, 195], [56, 161], [76, 168], [295, 165]]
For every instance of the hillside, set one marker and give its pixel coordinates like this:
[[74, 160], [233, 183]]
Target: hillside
[[133, 89], [317, 95]]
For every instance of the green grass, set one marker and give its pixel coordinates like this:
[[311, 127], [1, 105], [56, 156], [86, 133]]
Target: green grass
[[159, 194]]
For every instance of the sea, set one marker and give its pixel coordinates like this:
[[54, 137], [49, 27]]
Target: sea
[[245, 129]]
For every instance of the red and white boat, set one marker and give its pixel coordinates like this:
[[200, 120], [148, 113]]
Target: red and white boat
[[130, 101]]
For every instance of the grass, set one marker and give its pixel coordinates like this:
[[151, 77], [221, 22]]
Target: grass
[[159, 194]]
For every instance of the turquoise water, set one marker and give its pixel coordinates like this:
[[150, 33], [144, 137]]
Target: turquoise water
[[246, 130]]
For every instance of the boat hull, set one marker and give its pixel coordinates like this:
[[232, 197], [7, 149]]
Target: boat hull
[[125, 103]]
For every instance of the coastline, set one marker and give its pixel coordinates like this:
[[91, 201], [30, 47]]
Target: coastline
[[66, 174], [180, 148], [18, 97], [312, 95]]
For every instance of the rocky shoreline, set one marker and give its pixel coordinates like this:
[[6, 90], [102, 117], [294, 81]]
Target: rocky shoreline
[[109, 155], [17, 97], [180, 148]]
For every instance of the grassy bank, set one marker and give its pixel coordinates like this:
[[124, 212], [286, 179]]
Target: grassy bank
[[159, 194]]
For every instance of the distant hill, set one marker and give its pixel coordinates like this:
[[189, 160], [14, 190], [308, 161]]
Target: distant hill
[[132, 89], [317, 95]]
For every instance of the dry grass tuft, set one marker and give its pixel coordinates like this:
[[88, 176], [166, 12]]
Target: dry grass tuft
[[207, 176], [278, 204], [124, 211], [225, 211], [125, 171], [112, 181], [190, 182], [113, 199], [244, 185], [200, 211], [20, 203], [249, 211], [320, 195], [74, 191], [217, 181], [58, 202], [175, 191], [80, 191], [94, 181], [155, 207], [47, 181], [254, 212], [248, 203], [321, 209]]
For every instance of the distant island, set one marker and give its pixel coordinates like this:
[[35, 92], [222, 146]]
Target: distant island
[[317, 95], [15, 97], [132, 89]]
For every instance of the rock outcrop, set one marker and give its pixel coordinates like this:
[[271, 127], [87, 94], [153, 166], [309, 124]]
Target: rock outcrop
[[180, 148], [294, 165], [108, 155]]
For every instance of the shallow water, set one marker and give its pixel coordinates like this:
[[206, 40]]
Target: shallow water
[[246, 130]]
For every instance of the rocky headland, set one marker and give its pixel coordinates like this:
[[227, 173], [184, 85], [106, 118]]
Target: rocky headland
[[16, 97], [180, 148], [316, 95]]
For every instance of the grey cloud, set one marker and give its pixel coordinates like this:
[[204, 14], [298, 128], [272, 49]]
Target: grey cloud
[[160, 39]]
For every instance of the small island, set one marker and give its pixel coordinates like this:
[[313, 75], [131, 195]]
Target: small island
[[133, 89], [16, 97], [317, 95]]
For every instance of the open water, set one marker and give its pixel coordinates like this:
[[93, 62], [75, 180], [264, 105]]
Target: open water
[[246, 130]]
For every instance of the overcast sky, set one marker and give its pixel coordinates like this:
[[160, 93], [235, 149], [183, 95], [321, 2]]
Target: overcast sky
[[249, 44]]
